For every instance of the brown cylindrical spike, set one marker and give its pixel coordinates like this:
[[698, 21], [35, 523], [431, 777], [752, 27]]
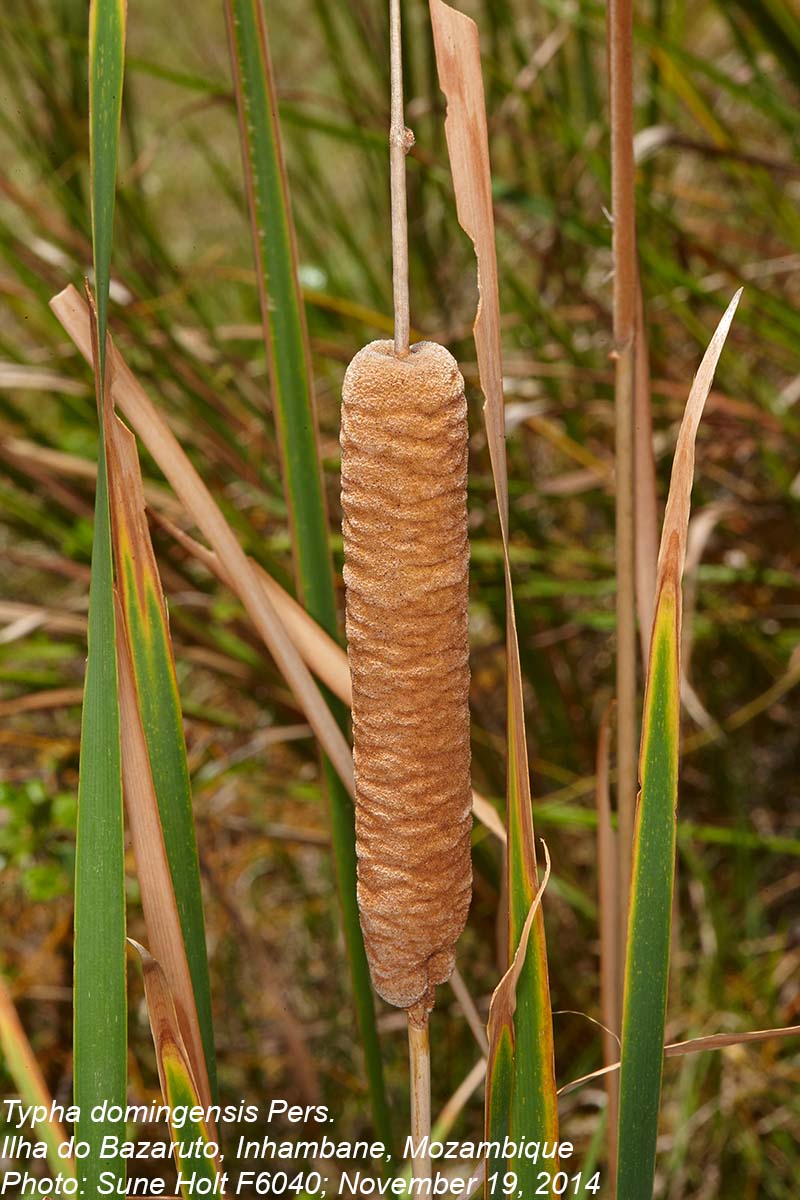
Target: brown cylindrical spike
[[404, 477]]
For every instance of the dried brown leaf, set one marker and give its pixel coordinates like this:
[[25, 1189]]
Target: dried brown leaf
[[504, 998], [714, 1041], [319, 651], [672, 551]]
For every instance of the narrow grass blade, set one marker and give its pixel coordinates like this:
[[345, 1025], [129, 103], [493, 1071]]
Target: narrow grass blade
[[534, 1112], [107, 22], [100, 1037], [286, 341], [650, 914], [283, 314], [20, 1062], [197, 1166], [145, 653], [100, 1047]]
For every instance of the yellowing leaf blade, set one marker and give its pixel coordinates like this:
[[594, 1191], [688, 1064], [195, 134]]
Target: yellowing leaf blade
[[162, 772], [161, 913], [20, 1062], [650, 914]]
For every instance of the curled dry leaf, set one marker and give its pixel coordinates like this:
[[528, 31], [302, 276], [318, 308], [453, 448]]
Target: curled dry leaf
[[672, 551], [178, 1084], [504, 998], [712, 1041]]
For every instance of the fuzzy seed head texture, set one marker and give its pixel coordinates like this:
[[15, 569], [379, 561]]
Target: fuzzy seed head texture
[[406, 547]]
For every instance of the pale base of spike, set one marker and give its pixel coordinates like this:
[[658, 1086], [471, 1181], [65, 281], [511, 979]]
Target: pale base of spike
[[419, 1053]]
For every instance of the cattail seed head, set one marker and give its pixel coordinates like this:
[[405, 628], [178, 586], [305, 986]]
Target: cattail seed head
[[404, 477]]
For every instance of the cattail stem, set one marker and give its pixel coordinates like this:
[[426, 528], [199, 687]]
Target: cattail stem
[[419, 1053], [400, 142]]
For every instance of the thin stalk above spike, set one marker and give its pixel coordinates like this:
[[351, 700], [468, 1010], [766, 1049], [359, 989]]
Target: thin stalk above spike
[[400, 142]]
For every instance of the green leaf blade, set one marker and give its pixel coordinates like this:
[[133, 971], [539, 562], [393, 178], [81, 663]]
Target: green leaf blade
[[282, 307], [100, 1030], [107, 20], [647, 964], [100, 1012], [650, 913], [499, 1095], [198, 1175]]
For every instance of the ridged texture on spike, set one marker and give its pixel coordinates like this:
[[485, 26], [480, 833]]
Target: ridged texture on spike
[[404, 478]]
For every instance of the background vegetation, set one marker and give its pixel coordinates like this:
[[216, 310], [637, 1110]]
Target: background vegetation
[[716, 103]]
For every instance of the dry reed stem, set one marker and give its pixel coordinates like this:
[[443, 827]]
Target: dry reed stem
[[620, 59], [400, 142], [404, 474], [449, 1114], [470, 1010], [609, 904]]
